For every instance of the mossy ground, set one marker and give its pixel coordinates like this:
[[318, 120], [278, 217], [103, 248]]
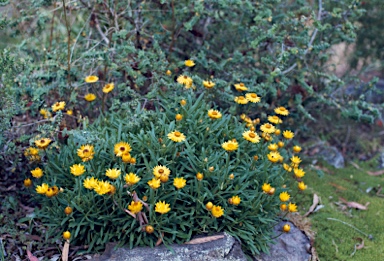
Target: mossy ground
[[335, 240]]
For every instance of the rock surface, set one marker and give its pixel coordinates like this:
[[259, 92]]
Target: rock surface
[[292, 246], [225, 248]]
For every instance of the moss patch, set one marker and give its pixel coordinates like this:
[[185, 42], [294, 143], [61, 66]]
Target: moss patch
[[335, 240]]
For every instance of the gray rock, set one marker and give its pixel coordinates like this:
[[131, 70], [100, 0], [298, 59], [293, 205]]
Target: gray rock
[[332, 156], [223, 249], [381, 160], [292, 246]]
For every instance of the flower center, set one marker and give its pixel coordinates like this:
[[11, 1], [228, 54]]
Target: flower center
[[185, 77], [268, 126], [241, 98], [122, 148], [42, 141], [252, 135], [85, 151], [214, 113], [177, 134], [161, 171], [253, 95], [242, 84]]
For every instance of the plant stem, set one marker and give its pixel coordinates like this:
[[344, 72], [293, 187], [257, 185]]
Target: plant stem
[[68, 45]]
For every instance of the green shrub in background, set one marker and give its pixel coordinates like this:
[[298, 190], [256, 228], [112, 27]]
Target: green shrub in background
[[181, 169]]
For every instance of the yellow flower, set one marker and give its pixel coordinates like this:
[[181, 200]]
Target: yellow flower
[[132, 161], [91, 79], [149, 229], [77, 169], [168, 72], [288, 134], [86, 152], [241, 87], [274, 156], [108, 87], [27, 183], [31, 152], [277, 132], [273, 147], [135, 207], [126, 157], [183, 102], [274, 119], [296, 149], [251, 136], [69, 112], [287, 167], [292, 207], [252, 97], [42, 189], [131, 179], [280, 144], [58, 106], [162, 208], [199, 176], [281, 111], [231, 176], [286, 228], [90, 183], [241, 100], [37, 173], [50, 193], [283, 207], [189, 63], [66, 235], [235, 200], [230, 145], [299, 173], [284, 196], [217, 211], [214, 114], [179, 183], [90, 97], [42, 143], [178, 117], [267, 128], [208, 84], [302, 186], [45, 113], [185, 80], [161, 170], [102, 187], [121, 148], [113, 173], [295, 161], [154, 183], [176, 136]]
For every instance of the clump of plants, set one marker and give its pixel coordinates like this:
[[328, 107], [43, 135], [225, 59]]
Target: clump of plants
[[169, 171]]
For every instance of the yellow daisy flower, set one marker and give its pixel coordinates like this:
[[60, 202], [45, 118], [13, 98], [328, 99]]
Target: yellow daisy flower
[[102, 187], [295, 161], [301, 186], [266, 187], [162, 207], [69, 112], [27, 183], [183, 102], [287, 167], [161, 170], [77, 169], [273, 147], [280, 144], [283, 207], [217, 211], [241, 87], [108, 87], [42, 143], [199, 176], [189, 63], [296, 149], [185, 80], [113, 173], [288, 134], [281, 111], [31, 151], [284, 196], [292, 207], [208, 84], [286, 228], [252, 97], [126, 157], [299, 173], [176, 136], [154, 183], [131, 179], [274, 156], [235, 200], [45, 113], [275, 119], [121, 148], [168, 72], [42, 189], [86, 152], [90, 183], [267, 128], [251, 136], [66, 235], [230, 145], [178, 117], [241, 100], [91, 79], [37, 173], [179, 183], [89, 97], [58, 106], [214, 114], [135, 207]]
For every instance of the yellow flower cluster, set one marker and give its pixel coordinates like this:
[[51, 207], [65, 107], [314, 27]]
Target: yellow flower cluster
[[45, 189], [99, 186]]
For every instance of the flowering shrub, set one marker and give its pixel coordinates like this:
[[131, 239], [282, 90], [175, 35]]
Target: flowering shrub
[[183, 168]]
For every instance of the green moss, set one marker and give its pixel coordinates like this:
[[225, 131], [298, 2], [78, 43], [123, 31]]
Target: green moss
[[335, 240]]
